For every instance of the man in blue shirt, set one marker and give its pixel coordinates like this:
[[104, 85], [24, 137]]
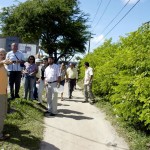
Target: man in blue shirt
[[16, 57]]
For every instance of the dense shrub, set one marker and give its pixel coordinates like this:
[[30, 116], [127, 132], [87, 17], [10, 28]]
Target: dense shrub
[[122, 74]]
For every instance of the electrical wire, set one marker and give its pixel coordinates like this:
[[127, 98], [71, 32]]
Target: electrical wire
[[118, 21], [96, 12], [115, 17], [102, 14]]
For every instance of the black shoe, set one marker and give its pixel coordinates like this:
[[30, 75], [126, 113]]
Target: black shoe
[[70, 97], [92, 102], [51, 114]]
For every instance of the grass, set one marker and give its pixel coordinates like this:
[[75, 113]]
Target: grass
[[25, 126]]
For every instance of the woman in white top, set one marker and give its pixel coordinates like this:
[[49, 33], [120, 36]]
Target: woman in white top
[[63, 75]]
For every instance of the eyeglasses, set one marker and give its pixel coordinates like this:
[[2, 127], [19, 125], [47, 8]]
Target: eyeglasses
[[31, 59]]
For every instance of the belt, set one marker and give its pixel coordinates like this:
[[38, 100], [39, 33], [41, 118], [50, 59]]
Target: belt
[[52, 82]]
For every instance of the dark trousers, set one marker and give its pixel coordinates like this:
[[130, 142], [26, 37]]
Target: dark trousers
[[71, 84], [14, 83]]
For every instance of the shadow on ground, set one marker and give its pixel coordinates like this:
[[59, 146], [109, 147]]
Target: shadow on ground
[[23, 138], [48, 146]]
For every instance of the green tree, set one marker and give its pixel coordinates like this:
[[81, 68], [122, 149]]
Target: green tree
[[60, 25]]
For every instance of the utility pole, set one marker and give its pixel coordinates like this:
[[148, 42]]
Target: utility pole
[[89, 43]]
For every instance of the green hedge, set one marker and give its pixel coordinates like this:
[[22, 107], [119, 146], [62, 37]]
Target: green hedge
[[122, 76]]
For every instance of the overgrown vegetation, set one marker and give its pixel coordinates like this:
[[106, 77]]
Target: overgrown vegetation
[[122, 79]]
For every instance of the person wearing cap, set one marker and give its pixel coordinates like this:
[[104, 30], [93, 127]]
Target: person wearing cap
[[14, 68], [71, 77], [52, 81], [88, 78], [29, 73]]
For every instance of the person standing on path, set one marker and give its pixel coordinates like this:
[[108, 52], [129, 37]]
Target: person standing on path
[[63, 75], [3, 92], [72, 76], [40, 82], [88, 84], [52, 81], [17, 58]]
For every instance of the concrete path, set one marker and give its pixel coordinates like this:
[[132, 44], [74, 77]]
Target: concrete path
[[79, 126]]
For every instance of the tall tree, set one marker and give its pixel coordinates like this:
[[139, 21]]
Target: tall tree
[[59, 24]]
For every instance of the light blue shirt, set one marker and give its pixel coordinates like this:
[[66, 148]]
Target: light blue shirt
[[11, 56]]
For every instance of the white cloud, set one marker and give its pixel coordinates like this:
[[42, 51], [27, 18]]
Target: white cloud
[[97, 39], [130, 2]]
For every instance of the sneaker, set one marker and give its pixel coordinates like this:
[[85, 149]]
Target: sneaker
[[85, 101]]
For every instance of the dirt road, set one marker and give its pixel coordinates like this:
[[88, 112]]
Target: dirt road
[[79, 126]]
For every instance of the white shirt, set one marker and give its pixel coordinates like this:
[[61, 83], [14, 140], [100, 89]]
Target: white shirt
[[88, 74], [52, 72], [72, 73], [11, 56]]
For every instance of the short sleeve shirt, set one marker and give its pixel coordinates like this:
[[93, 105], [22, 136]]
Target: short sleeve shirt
[[12, 57], [52, 72], [88, 74]]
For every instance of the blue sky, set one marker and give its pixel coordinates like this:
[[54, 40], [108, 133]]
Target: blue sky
[[98, 22]]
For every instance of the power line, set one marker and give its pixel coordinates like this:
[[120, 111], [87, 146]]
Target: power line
[[102, 14], [119, 21], [115, 16], [97, 11]]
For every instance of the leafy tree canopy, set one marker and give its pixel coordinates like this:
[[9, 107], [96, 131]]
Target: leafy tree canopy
[[59, 24]]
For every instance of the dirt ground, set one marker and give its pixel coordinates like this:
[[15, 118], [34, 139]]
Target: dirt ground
[[79, 126]]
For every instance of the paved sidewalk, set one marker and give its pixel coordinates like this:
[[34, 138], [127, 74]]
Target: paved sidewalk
[[79, 126]]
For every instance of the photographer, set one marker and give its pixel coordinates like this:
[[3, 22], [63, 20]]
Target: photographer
[[17, 59]]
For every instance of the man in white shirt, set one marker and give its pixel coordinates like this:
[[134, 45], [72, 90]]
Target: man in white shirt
[[16, 58], [88, 84], [52, 81]]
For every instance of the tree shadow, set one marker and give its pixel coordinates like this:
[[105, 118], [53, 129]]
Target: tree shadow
[[48, 146], [23, 138]]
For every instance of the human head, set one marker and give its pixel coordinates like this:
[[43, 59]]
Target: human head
[[71, 65], [2, 53], [63, 66], [45, 61], [31, 59], [38, 61], [50, 60], [86, 64], [14, 47]]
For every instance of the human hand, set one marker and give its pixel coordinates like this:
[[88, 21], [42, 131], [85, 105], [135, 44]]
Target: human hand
[[6, 61]]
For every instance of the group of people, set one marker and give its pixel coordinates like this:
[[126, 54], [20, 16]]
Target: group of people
[[37, 74]]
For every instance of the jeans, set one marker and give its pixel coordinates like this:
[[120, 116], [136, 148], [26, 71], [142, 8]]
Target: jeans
[[29, 86]]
